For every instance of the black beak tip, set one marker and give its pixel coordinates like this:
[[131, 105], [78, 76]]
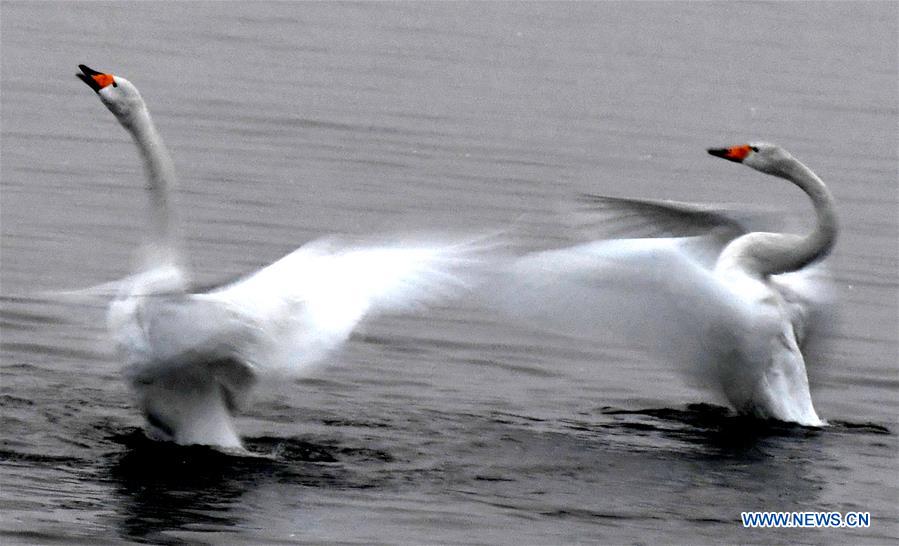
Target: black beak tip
[[723, 153], [88, 71], [85, 76]]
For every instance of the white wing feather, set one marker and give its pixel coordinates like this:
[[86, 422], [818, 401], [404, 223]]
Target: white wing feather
[[647, 292], [305, 305]]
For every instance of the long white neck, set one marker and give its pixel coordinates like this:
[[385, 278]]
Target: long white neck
[[775, 253], [160, 174]]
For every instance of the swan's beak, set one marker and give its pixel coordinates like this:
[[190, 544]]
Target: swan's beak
[[734, 153], [95, 80]]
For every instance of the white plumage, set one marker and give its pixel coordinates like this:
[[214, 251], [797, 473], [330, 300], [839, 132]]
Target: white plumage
[[192, 357], [729, 305]]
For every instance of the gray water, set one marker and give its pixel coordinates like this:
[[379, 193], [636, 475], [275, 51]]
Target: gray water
[[292, 121]]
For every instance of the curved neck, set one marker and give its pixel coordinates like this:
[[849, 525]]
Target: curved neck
[[775, 253], [160, 174]]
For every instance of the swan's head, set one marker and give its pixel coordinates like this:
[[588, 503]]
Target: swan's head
[[117, 93], [761, 156]]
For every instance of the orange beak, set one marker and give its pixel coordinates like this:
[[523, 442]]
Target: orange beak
[[734, 153], [95, 80]]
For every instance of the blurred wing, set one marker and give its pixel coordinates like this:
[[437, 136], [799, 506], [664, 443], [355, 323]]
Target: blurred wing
[[813, 311], [165, 279], [640, 292], [305, 305], [602, 217], [621, 217]]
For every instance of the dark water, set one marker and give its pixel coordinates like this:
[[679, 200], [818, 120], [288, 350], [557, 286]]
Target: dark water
[[295, 120]]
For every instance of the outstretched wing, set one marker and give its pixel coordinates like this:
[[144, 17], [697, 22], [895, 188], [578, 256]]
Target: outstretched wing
[[640, 292], [305, 305], [712, 226], [632, 218]]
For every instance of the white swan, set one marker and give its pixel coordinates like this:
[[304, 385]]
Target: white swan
[[192, 357], [735, 305]]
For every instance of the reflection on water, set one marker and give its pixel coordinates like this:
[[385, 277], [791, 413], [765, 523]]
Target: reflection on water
[[165, 487], [166, 492]]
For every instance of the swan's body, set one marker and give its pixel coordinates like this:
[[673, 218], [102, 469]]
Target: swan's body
[[734, 304], [192, 357]]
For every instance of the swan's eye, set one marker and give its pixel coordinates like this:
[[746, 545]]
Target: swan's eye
[[114, 84], [754, 149]]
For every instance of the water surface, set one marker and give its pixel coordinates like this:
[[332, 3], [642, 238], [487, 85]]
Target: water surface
[[289, 121]]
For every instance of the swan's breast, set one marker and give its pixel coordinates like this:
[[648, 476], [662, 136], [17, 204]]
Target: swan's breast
[[761, 311]]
